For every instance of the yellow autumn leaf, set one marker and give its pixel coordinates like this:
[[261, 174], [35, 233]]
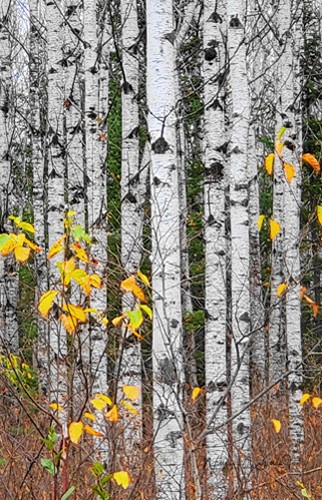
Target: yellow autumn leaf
[[90, 416], [92, 432], [69, 322], [139, 294], [281, 132], [9, 245], [118, 320], [46, 301], [66, 268], [99, 404], [32, 245], [75, 431], [280, 289], [304, 398], [25, 226], [279, 147], [82, 279], [96, 281], [143, 278], [289, 170], [312, 161], [277, 425], [76, 312], [274, 228], [113, 414], [122, 478], [147, 310], [128, 284], [105, 321], [195, 393], [21, 253], [56, 407], [316, 402], [104, 398], [260, 222], [56, 247], [129, 407], [80, 253], [131, 392], [319, 214], [269, 163]]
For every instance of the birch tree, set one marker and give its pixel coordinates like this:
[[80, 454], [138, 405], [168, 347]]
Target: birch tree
[[216, 177], [165, 221], [239, 221]]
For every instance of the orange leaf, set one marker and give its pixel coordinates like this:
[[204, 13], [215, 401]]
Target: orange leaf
[[316, 402], [113, 414], [21, 253], [69, 322], [128, 284], [274, 229], [315, 309], [131, 392], [46, 301], [139, 294], [312, 161], [304, 398], [75, 431], [92, 432], [289, 170], [303, 291], [269, 163], [118, 320], [308, 300], [277, 425]]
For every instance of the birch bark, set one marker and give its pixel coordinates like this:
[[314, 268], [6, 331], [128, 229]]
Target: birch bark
[[166, 281], [239, 219], [216, 182]]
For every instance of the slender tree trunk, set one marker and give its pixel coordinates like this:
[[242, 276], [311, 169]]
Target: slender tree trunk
[[215, 134], [166, 279], [239, 219]]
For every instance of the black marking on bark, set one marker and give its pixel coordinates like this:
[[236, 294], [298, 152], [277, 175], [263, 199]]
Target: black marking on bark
[[241, 428], [289, 145], [173, 437], [160, 146], [166, 372], [134, 132], [170, 36], [164, 413], [127, 87], [156, 181], [210, 54], [130, 197], [93, 70], [235, 22], [174, 323], [211, 220], [223, 148], [216, 170], [215, 17], [91, 115]]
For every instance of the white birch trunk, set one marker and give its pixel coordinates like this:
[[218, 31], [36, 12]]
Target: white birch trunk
[[166, 282], [239, 178], [56, 181], [216, 177]]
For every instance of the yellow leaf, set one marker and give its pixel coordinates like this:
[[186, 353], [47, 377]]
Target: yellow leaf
[[25, 226], [56, 407], [260, 221], [96, 281], [269, 163], [274, 229], [279, 147], [280, 289], [46, 301], [316, 402], [118, 320], [76, 312], [137, 334], [128, 284], [147, 310], [289, 170], [131, 392], [105, 321], [90, 310], [195, 393], [32, 245], [75, 431], [143, 278], [136, 318], [104, 398], [113, 414], [277, 425], [312, 161], [66, 268], [21, 253], [304, 398], [83, 280], [139, 294], [122, 478], [69, 322], [80, 253], [8, 245], [319, 213], [281, 132], [315, 309], [90, 416], [129, 407], [92, 432], [56, 247], [98, 404]]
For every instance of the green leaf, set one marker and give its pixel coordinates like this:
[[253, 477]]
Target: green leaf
[[79, 233], [305, 493], [3, 239], [3, 462], [97, 468], [147, 310], [68, 493], [281, 132], [49, 466], [136, 318]]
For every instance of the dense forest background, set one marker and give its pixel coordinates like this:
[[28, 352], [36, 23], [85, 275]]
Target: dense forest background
[[160, 268]]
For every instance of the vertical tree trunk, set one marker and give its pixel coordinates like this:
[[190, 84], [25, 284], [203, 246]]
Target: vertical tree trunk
[[239, 220], [216, 177], [166, 280]]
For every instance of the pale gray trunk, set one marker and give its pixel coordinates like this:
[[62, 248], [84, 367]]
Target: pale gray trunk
[[166, 279], [239, 219], [216, 177]]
